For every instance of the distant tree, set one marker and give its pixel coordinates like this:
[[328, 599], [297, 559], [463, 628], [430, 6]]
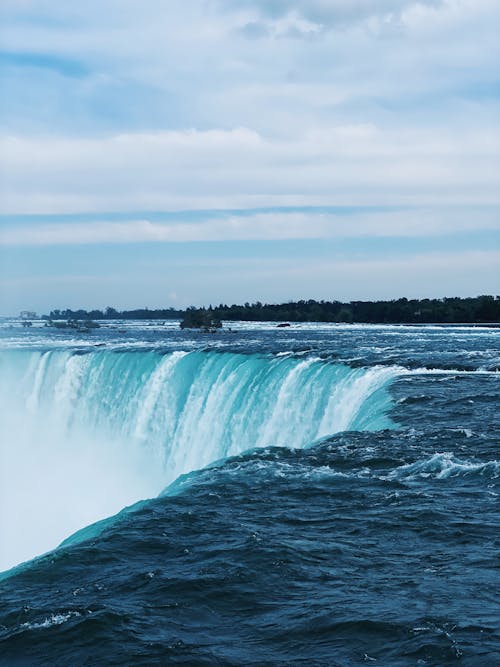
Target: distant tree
[[345, 315]]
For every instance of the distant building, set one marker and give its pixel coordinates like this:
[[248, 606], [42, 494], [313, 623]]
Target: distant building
[[27, 315]]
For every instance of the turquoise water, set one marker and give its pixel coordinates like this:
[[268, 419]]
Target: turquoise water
[[320, 495]]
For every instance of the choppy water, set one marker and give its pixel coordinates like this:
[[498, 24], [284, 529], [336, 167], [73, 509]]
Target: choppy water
[[321, 495]]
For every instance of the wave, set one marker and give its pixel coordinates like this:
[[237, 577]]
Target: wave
[[50, 621], [409, 400], [450, 373], [443, 465]]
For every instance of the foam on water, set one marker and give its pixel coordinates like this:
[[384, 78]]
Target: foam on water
[[443, 465], [50, 621]]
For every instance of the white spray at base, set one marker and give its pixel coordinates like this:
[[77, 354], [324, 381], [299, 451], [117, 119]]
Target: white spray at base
[[84, 435]]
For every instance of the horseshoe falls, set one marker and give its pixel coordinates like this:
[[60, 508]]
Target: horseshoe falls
[[93, 432], [170, 497]]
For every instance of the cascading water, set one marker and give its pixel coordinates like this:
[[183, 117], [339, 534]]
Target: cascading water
[[275, 554], [90, 433]]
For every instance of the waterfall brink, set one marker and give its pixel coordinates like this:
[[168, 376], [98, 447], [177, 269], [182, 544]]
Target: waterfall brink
[[90, 433]]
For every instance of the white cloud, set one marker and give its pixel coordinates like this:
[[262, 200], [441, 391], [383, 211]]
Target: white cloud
[[194, 56], [259, 226], [215, 169], [327, 12]]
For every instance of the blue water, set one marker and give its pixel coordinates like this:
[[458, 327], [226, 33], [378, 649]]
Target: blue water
[[320, 495]]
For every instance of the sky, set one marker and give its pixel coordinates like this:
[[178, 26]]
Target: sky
[[167, 153]]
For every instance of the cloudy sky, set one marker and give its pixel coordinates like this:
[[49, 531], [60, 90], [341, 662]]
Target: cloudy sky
[[176, 152]]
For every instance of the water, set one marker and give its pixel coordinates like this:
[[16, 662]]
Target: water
[[321, 495]]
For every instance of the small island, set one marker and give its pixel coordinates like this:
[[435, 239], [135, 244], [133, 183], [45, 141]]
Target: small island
[[201, 318], [82, 326]]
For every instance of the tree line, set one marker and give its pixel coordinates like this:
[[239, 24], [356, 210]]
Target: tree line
[[110, 313], [448, 310]]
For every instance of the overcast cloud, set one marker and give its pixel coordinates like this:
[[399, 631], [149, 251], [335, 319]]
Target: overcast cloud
[[260, 117]]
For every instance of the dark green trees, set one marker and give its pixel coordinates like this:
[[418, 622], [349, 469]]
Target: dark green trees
[[200, 318]]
